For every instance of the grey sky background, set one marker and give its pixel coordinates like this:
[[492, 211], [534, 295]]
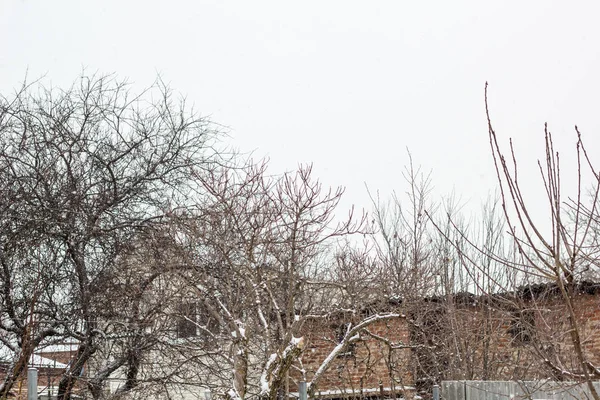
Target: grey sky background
[[346, 85]]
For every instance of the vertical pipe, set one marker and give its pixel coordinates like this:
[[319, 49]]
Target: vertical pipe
[[302, 391], [32, 387], [436, 392]]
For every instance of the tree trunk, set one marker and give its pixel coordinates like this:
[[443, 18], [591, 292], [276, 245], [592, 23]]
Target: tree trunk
[[69, 379]]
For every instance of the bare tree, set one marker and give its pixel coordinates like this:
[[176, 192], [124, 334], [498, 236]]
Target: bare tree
[[85, 170], [268, 262], [559, 254], [403, 237], [432, 261]]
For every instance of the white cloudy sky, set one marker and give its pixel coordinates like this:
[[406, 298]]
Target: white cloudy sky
[[346, 85]]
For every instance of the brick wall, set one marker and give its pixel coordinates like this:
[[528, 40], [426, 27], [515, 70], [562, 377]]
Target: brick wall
[[474, 340], [505, 339], [364, 369]]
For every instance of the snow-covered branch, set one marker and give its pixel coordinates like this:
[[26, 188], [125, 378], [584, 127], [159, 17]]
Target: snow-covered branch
[[351, 336], [277, 366]]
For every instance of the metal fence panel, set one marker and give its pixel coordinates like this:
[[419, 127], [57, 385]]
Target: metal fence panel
[[453, 390], [510, 390]]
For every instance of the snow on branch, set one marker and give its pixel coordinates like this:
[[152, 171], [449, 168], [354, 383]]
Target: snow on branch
[[352, 335], [277, 365]]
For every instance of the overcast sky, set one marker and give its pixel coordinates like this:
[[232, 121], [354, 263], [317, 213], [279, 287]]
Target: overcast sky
[[346, 85]]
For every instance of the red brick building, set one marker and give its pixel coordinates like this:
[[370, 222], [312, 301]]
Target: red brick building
[[377, 364], [50, 362], [524, 335]]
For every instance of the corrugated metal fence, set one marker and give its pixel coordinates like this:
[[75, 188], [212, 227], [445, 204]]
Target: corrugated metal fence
[[504, 390]]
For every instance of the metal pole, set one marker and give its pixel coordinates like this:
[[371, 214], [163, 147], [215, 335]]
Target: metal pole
[[302, 391], [436, 392], [32, 377]]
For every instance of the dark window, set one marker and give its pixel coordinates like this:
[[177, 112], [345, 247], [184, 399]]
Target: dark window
[[187, 320], [209, 325], [195, 321], [522, 326], [341, 333]]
